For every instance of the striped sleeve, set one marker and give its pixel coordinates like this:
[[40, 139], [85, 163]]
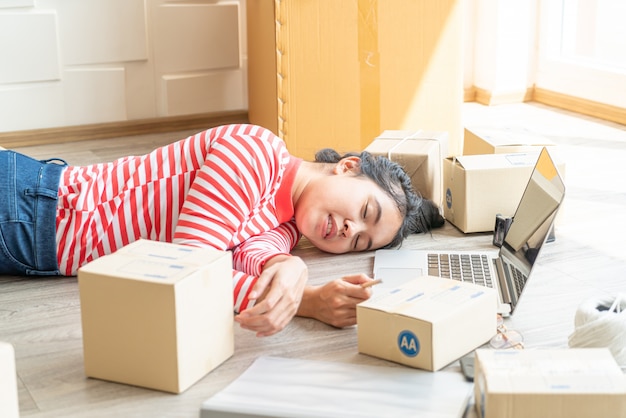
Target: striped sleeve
[[251, 255], [231, 204]]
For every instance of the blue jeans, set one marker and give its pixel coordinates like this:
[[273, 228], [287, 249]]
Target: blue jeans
[[29, 191]]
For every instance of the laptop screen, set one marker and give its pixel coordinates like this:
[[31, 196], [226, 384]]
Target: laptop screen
[[532, 223]]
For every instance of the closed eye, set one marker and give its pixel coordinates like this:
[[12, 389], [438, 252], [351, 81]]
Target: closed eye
[[359, 238], [356, 239]]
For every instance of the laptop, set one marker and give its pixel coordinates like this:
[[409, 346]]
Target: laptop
[[507, 269]]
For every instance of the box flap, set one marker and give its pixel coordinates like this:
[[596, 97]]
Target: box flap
[[427, 298], [167, 251], [509, 136], [551, 371], [496, 161], [153, 261]]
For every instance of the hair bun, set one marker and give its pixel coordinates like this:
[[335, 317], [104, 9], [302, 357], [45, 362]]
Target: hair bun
[[430, 217]]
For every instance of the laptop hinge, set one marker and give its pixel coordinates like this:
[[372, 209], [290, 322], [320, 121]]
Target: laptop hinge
[[502, 282]]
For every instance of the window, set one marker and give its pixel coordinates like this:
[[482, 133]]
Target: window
[[582, 49]]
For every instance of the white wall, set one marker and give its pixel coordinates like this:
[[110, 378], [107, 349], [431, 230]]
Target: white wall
[[75, 62]]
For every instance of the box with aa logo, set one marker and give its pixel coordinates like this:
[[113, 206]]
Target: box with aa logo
[[426, 323]]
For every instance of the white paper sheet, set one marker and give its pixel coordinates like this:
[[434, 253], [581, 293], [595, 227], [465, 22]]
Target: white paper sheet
[[296, 388]]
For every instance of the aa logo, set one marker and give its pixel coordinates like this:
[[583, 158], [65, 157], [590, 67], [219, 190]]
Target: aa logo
[[408, 343]]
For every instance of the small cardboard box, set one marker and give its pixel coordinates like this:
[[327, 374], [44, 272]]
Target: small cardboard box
[[478, 187], [420, 153], [157, 315], [503, 140], [9, 405], [427, 322], [556, 383]]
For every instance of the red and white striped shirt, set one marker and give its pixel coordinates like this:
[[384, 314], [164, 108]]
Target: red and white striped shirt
[[228, 188]]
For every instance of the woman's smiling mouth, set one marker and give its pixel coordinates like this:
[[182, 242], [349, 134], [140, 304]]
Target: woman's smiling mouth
[[330, 228]]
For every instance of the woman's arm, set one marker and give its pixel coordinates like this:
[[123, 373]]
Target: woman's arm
[[335, 302], [278, 288], [277, 293], [252, 254], [282, 293]]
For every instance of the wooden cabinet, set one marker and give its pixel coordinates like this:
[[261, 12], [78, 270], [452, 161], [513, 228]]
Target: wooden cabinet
[[76, 63]]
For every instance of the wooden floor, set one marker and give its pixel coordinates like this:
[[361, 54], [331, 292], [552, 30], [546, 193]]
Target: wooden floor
[[41, 317]]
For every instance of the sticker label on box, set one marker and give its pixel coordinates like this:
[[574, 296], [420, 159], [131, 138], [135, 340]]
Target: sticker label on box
[[408, 343]]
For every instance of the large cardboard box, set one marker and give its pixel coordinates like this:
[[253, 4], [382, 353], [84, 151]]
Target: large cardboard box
[[555, 383], [426, 323], [328, 73], [478, 187], [490, 140], [420, 153], [9, 405], [157, 315]]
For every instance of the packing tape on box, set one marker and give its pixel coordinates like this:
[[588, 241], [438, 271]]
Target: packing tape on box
[[412, 136], [602, 323]]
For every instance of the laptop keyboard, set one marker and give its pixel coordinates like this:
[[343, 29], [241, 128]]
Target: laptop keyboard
[[472, 268], [519, 279]]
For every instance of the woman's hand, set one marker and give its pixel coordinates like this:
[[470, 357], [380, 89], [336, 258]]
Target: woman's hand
[[335, 302], [278, 292]]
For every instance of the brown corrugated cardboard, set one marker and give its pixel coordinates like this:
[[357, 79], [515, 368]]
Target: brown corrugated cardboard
[[9, 405], [478, 187], [427, 322], [556, 383], [157, 315], [477, 140], [420, 153], [327, 73]]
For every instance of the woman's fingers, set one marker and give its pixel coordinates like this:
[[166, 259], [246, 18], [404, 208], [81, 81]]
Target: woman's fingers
[[281, 284]]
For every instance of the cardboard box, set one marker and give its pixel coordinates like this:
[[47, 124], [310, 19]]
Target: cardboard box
[[420, 153], [478, 187], [503, 140], [556, 383], [9, 405], [426, 323], [328, 73], [157, 315]]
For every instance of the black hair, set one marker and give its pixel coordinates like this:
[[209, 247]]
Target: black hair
[[418, 214]]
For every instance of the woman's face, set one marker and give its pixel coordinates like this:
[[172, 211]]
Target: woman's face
[[344, 212]]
